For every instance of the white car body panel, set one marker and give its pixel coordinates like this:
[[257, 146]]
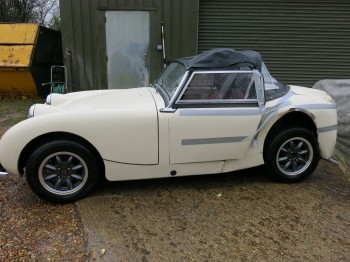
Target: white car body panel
[[135, 127], [252, 154], [323, 110], [200, 135], [119, 171]]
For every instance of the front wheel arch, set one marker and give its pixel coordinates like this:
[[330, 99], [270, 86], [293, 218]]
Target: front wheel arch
[[290, 120], [62, 171], [40, 140]]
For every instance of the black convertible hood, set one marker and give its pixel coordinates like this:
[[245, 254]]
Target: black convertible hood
[[223, 58]]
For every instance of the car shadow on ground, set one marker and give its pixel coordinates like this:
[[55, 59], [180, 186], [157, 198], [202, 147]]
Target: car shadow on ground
[[212, 181], [327, 179]]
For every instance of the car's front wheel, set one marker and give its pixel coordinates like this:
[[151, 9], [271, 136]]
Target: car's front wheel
[[62, 171], [292, 155]]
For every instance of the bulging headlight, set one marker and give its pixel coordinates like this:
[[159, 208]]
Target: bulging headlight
[[48, 99], [31, 111]]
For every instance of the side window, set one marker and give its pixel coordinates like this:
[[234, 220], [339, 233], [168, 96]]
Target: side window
[[201, 87], [220, 87]]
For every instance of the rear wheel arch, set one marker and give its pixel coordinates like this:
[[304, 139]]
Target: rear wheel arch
[[291, 151], [290, 120], [43, 139]]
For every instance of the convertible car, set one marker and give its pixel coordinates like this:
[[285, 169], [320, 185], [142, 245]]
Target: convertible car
[[216, 112]]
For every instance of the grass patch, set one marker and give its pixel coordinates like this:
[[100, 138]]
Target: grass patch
[[13, 111]]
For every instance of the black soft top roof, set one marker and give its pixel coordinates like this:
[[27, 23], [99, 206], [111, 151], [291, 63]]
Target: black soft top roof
[[223, 58]]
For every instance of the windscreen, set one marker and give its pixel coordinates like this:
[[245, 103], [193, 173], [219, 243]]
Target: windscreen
[[171, 77]]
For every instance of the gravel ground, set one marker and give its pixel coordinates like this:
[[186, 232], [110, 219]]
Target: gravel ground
[[34, 230], [31, 229], [240, 216]]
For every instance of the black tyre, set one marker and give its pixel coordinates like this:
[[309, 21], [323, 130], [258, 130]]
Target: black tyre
[[292, 155], [62, 171]]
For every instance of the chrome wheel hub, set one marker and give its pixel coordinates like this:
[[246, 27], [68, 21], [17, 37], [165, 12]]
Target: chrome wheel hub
[[63, 173], [294, 156]]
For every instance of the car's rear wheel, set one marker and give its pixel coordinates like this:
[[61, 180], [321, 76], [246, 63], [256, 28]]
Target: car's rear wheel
[[292, 155], [62, 171]]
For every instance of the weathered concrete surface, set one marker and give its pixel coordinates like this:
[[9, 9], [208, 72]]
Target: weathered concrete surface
[[239, 216]]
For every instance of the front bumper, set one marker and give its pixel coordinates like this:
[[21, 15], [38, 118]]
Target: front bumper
[[3, 173]]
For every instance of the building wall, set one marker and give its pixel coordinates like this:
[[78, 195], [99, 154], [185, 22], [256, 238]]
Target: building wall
[[181, 27], [301, 41], [84, 35], [83, 45]]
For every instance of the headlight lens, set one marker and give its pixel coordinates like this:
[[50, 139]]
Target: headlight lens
[[31, 111], [48, 99]]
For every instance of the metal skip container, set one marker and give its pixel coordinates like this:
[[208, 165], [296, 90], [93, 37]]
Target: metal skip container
[[27, 52]]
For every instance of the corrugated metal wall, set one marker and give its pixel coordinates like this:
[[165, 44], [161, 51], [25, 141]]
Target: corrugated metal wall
[[301, 41], [83, 35], [181, 27]]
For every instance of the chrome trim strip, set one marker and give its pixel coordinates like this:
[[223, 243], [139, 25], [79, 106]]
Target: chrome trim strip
[[214, 140], [327, 129], [235, 71], [269, 113], [167, 110], [317, 106], [3, 172], [217, 101], [333, 161], [221, 112]]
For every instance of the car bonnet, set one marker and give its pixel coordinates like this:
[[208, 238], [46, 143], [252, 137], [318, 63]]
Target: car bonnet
[[110, 100]]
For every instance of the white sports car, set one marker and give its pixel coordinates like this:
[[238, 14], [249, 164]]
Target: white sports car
[[215, 112]]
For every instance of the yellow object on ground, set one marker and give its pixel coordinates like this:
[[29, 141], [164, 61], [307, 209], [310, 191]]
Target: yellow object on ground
[[18, 33], [14, 56], [16, 51], [27, 51]]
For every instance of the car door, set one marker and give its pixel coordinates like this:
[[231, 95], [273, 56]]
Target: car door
[[216, 117]]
